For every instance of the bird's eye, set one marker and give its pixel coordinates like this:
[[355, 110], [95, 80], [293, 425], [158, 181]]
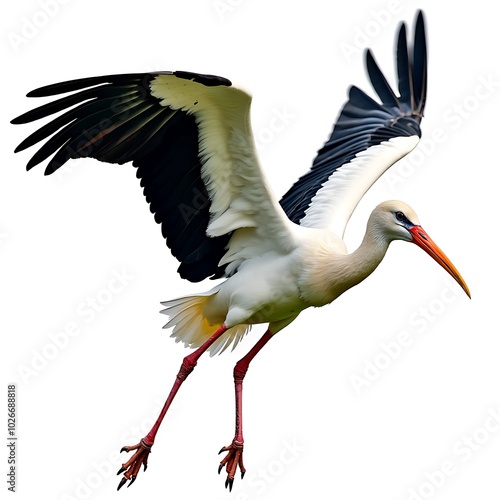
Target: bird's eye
[[400, 216]]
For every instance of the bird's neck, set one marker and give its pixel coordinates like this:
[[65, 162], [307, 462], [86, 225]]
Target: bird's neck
[[365, 259], [335, 272]]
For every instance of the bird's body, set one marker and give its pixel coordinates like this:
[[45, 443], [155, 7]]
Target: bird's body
[[315, 270], [189, 136]]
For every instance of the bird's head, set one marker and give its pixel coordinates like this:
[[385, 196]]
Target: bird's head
[[395, 220]]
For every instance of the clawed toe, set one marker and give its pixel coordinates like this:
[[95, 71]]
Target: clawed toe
[[133, 466], [232, 461]]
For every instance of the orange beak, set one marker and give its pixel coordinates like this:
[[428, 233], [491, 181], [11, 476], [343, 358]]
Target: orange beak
[[424, 241]]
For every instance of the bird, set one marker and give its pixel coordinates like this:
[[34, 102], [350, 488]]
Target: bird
[[190, 139]]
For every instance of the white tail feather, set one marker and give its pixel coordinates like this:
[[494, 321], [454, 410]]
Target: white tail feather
[[191, 326]]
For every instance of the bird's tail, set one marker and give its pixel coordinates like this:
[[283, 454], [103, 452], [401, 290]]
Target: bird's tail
[[189, 323]]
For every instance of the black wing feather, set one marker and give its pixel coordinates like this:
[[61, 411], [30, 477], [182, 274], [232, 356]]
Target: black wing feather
[[405, 81], [419, 69], [380, 84], [116, 119]]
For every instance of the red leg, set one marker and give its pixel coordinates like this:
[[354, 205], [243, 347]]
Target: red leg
[[234, 457], [140, 457]]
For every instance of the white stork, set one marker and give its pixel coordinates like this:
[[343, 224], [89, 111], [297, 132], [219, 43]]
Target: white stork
[[189, 136]]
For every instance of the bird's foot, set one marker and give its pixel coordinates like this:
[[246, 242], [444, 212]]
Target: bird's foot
[[132, 467], [232, 461]]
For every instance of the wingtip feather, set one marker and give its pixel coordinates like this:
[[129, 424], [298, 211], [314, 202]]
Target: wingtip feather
[[420, 62]]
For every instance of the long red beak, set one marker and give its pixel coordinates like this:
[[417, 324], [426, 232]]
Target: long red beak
[[424, 241]]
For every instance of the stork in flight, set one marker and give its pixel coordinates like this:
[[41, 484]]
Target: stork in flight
[[189, 136]]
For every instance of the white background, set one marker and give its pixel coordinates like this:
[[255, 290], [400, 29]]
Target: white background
[[63, 237]]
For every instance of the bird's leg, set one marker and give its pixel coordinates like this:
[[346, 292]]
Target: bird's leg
[[143, 448], [234, 457]]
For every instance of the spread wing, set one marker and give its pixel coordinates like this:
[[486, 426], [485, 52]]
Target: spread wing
[[190, 139], [367, 139]]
